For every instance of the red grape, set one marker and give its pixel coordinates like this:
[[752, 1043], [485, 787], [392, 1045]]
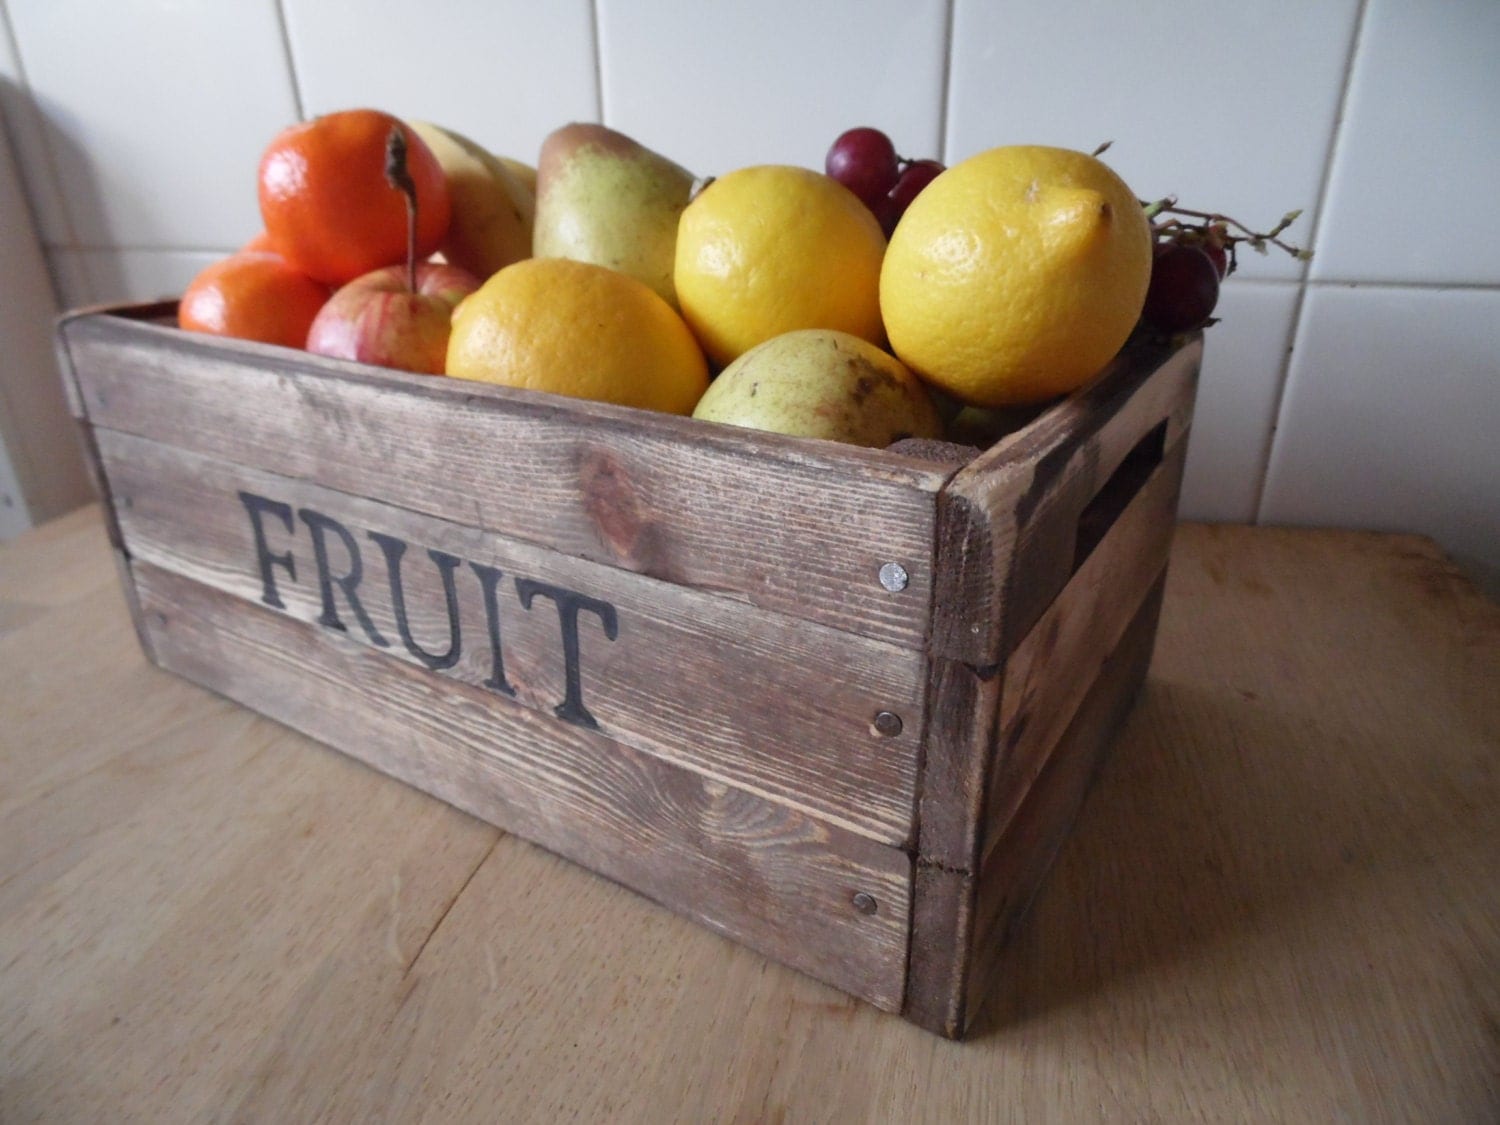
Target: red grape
[[914, 177], [864, 160], [1184, 288], [1219, 257]]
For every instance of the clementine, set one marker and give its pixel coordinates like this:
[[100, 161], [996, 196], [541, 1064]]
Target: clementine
[[253, 295], [328, 205]]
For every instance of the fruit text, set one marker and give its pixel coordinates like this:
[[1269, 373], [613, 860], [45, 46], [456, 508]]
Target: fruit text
[[339, 579]]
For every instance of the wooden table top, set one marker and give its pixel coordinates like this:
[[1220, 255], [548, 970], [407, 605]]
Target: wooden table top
[[1281, 902]]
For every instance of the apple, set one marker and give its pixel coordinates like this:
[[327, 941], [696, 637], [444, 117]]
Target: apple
[[391, 318]]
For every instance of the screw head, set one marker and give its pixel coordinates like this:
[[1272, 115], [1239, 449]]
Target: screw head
[[887, 723], [893, 577], [865, 903]]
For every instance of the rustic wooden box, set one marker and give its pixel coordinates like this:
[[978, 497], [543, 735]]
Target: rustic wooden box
[[838, 704]]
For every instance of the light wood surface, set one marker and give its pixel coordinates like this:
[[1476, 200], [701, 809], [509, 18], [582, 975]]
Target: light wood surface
[[1281, 901]]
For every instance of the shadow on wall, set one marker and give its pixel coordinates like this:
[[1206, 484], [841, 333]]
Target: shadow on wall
[[37, 436]]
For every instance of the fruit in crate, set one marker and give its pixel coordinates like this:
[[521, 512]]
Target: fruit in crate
[[771, 249], [1016, 275], [252, 295], [822, 384], [327, 205], [606, 199], [864, 160], [524, 173], [578, 329], [491, 211], [390, 319], [1184, 288]]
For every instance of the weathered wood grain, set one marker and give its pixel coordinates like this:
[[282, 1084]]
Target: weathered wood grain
[[1010, 530], [773, 704], [785, 524], [1057, 664], [758, 872], [962, 708], [991, 727], [1017, 865]]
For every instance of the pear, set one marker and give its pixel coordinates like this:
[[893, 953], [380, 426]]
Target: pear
[[820, 383], [602, 197], [493, 209]]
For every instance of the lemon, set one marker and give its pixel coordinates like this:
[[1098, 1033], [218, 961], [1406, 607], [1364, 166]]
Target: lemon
[[1016, 275], [572, 328], [772, 249]]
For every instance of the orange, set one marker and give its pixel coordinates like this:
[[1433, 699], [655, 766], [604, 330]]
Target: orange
[[327, 204], [574, 328], [253, 295]]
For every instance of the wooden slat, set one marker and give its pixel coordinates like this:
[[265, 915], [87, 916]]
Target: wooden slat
[[962, 707], [1010, 524], [1018, 865], [1055, 666], [757, 872], [769, 703], [791, 525], [991, 728]]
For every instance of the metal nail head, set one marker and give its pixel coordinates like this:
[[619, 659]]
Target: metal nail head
[[865, 903], [893, 577], [887, 723]]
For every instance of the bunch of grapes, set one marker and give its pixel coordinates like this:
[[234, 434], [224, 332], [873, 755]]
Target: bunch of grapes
[[1195, 251], [864, 160]]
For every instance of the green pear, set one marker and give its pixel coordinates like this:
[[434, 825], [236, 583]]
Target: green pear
[[601, 197], [822, 384]]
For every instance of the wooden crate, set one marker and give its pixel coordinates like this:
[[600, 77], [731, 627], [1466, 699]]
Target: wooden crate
[[837, 704]]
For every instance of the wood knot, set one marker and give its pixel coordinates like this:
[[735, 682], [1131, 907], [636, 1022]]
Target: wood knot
[[621, 515]]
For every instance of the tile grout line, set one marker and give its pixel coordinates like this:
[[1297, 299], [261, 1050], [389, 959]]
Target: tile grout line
[[1304, 284], [53, 171], [947, 81], [291, 60], [598, 45]]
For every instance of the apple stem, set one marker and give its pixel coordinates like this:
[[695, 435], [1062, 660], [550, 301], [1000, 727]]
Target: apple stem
[[399, 177]]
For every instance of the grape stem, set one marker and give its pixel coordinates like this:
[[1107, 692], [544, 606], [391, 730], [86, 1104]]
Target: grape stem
[[1215, 226]]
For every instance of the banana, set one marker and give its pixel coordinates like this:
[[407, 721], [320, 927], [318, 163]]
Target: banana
[[521, 171], [493, 208]]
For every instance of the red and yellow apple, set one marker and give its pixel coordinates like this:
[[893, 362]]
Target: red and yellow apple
[[382, 318]]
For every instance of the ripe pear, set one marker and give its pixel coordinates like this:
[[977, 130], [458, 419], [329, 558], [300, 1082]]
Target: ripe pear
[[602, 197], [493, 210], [820, 383]]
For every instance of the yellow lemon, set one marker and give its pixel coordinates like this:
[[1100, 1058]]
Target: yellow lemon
[[773, 249], [1016, 275], [572, 328]]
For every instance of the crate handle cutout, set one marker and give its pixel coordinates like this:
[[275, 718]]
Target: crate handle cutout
[[1116, 493]]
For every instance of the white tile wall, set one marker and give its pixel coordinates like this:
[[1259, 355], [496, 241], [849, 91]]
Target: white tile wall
[[505, 72], [1412, 192], [1227, 104], [1238, 394], [1391, 415], [719, 86], [138, 125], [156, 113]]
